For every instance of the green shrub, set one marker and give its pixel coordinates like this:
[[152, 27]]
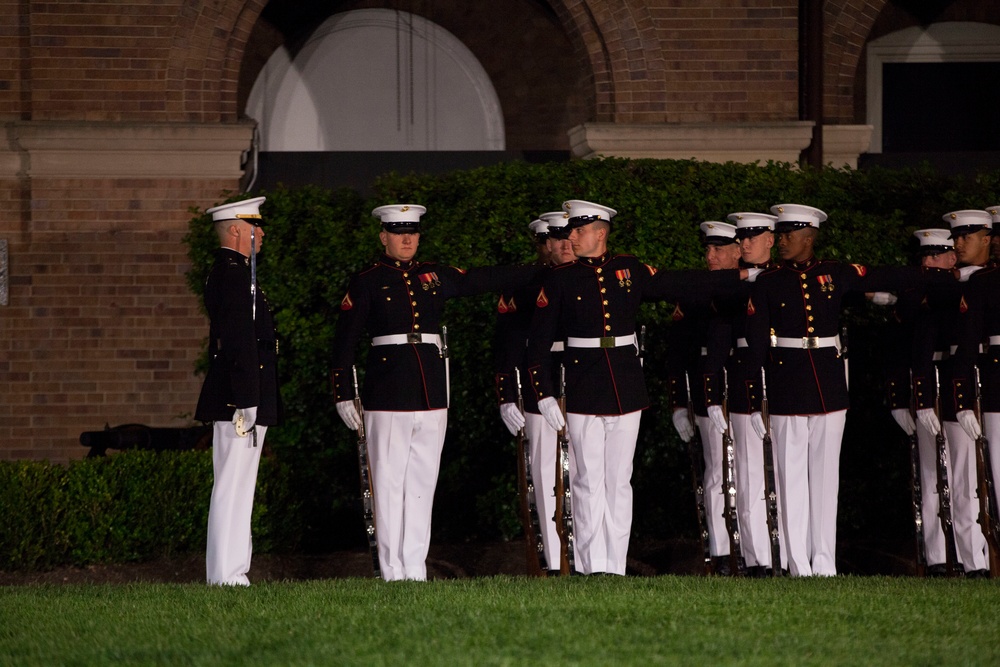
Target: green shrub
[[132, 506]]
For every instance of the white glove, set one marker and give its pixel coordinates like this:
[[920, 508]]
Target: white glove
[[349, 414], [512, 417], [752, 274], [684, 427], [884, 299], [718, 420], [930, 420], [967, 418], [904, 419], [966, 271], [549, 408], [244, 419], [757, 421]]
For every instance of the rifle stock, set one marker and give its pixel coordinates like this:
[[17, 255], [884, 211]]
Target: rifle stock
[[770, 490], [952, 566], [564, 496], [736, 563], [916, 490], [367, 490], [985, 486], [526, 495], [697, 481]]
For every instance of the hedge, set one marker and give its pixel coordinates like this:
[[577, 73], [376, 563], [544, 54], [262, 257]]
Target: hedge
[[316, 238], [131, 506]]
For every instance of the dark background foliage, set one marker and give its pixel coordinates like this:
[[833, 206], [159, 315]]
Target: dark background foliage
[[316, 239]]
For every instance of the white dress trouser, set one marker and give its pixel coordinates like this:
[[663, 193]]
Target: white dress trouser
[[603, 448], [751, 504], [934, 544], [404, 449], [969, 540], [991, 428], [807, 457], [715, 501], [234, 466], [542, 440]]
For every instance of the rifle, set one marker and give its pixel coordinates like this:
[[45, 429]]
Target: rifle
[[736, 563], [985, 488], [916, 492], [537, 565], [697, 481], [367, 491], [770, 491], [952, 566], [564, 495]]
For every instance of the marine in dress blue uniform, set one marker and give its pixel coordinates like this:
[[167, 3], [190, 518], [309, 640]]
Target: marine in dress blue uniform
[[514, 311], [727, 349], [976, 343], [593, 302], [917, 347], [687, 357], [793, 320], [398, 302], [240, 393]]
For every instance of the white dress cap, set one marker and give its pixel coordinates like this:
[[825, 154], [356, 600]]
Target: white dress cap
[[796, 216], [247, 209], [583, 212], [558, 222], [968, 221], [934, 241], [400, 218], [539, 228], [751, 224], [718, 233]]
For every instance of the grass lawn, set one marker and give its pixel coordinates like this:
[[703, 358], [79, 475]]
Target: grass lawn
[[508, 621]]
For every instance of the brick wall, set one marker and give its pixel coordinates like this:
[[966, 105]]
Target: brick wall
[[101, 326]]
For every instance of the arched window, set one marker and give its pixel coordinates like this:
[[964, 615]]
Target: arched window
[[935, 89], [376, 80]]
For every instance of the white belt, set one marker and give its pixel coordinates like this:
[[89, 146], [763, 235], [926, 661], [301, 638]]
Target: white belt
[[605, 341], [704, 351], [940, 356], [742, 342], [994, 340], [954, 348], [806, 342], [407, 338]]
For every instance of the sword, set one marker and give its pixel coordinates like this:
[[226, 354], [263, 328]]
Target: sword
[[253, 271], [447, 366]]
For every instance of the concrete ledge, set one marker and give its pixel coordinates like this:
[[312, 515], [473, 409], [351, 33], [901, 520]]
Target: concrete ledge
[[842, 144], [750, 142], [124, 150]]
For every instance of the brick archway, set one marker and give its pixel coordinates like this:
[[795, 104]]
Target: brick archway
[[845, 36], [204, 62]]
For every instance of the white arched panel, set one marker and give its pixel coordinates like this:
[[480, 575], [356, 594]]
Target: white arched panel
[[376, 80]]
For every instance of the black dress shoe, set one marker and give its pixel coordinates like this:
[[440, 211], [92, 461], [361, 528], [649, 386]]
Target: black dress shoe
[[937, 570], [977, 574]]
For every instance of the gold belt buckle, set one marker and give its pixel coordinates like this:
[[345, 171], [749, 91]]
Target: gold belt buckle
[[414, 338], [810, 342], [607, 341]]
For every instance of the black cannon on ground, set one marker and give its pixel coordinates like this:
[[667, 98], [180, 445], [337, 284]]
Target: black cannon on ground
[[140, 436]]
